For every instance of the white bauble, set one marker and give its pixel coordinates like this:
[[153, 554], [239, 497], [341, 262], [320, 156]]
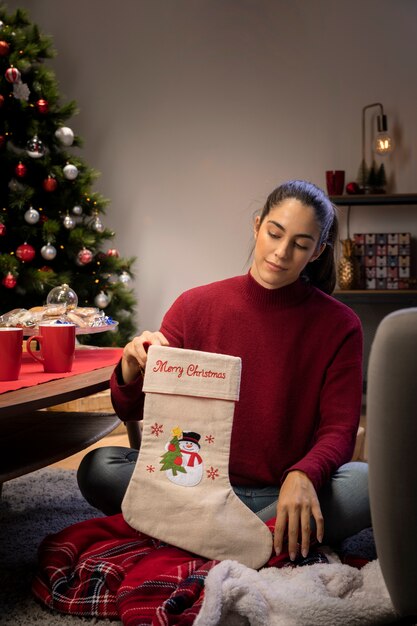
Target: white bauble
[[70, 172], [48, 252], [65, 135], [125, 279], [69, 222]]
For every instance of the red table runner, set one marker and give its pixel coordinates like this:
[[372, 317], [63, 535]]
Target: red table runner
[[86, 360]]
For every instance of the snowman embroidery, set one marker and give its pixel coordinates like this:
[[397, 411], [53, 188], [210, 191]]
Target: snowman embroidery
[[182, 462]]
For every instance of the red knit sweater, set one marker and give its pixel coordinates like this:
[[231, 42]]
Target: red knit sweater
[[301, 384]]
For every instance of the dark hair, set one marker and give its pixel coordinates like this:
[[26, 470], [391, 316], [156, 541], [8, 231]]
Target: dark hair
[[322, 272]]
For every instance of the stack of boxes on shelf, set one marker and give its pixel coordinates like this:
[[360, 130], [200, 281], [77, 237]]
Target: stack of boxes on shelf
[[385, 259]]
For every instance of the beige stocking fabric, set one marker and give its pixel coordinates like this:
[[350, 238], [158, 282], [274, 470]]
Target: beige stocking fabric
[[180, 490]]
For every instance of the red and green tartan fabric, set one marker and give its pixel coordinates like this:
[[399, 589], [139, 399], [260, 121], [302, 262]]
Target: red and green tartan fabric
[[104, 568]]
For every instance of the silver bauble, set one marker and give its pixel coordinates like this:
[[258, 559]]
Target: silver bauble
[[35, 148], [125, 279], [102, 300], [98, 225], [31, 216], [77, 209], [69, 222], [48, 252]]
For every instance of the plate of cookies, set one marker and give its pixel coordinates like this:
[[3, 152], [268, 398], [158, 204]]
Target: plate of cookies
[[87, 320]]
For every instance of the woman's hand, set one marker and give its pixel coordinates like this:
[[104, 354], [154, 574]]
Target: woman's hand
[[297, 502], [134, 353]]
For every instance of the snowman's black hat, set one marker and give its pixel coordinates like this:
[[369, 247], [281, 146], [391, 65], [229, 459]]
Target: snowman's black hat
[[190, 436]]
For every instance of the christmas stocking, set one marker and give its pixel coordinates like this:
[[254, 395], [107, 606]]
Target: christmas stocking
[[180, 491]]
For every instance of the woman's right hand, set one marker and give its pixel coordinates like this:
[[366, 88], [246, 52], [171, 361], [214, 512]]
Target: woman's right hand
[[135, 353]]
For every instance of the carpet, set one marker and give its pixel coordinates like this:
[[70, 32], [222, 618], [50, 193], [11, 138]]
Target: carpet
[[32, 507], [45, 502]]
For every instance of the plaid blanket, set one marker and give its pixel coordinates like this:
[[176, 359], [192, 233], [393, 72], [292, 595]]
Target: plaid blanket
[[104, 568]]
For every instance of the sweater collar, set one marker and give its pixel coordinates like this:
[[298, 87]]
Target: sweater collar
[[282, 297]]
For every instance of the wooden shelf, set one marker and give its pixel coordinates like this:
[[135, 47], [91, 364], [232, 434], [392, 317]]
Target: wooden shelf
[[375, 199], [402, 297]]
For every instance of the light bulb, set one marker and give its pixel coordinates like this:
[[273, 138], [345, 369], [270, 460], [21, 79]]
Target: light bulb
[[383, 143]]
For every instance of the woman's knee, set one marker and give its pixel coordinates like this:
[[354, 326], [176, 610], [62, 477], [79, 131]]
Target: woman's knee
[[103, 476]]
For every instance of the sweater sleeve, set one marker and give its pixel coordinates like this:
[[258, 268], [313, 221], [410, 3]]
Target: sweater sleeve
[[128, 399], [340, 408]]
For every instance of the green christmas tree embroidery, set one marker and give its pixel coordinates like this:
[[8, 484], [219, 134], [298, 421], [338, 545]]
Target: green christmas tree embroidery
[[172, 459]]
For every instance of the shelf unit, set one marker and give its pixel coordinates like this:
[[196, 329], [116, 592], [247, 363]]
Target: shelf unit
[[379, 199], [401, 297]]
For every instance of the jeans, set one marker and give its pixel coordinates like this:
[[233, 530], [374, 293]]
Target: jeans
[[104, 474]]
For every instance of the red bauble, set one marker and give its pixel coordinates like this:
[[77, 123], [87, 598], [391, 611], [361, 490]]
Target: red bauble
[[113, 252], [21, 170], [2, 229], [12, 75], [4, 48], [2, 141], [42, 106], [352, 188], [50, 184], [9, 281], [171, 447], [85, 256], [1, 100], [25, 252], [178, 460]]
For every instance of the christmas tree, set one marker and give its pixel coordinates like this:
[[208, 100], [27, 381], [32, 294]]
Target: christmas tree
[[172, 459], [51, 221]]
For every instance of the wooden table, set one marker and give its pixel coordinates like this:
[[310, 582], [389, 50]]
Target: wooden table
[[31, 437]]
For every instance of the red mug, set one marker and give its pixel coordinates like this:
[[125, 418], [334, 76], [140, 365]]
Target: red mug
[[335, 181], [57, 347], [11, 339]]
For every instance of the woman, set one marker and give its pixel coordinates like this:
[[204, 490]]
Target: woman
[[296, 421]]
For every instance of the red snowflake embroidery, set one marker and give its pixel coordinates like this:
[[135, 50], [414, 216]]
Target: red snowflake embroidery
[[209, 439], [157, 429], [212, 473], [150, 468]]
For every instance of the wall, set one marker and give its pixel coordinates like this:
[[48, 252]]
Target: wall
[[193, 110]]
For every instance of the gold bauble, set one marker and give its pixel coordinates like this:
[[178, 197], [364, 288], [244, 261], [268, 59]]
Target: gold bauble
[[348, 270]]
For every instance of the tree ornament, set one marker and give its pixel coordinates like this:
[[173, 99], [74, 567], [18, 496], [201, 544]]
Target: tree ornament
[[14, 185], [353, 188], [12, 75], [25, 252], [69, 222], [35, 148], [125, 279], [77, 209], [98, 225], [65, 135], [113, 252], [2, 229], [21, 170], [70, 172], [348, 269], [21, 91], [49, 184], [48, 252], [102, 300], [84, 256], [32, 216], [42, 106], [62, 295], [4, 48], [9, 281]]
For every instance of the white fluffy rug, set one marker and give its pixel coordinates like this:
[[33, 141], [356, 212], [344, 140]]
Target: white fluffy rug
[[317, 594]]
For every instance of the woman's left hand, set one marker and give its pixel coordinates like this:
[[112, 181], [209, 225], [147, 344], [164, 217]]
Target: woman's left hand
[[297, 502]]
